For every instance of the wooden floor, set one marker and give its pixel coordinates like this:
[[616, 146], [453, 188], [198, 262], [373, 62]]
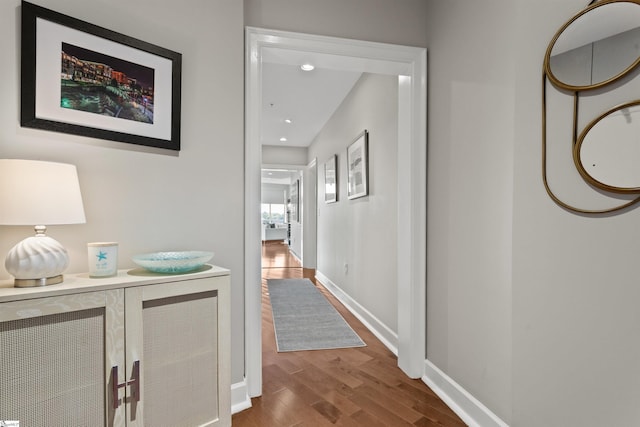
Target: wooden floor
[[345, 387]]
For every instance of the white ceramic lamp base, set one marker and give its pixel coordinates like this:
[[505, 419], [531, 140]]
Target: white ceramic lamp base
[[37, 261]]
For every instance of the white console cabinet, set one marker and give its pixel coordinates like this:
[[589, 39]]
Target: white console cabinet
[[138, 349]]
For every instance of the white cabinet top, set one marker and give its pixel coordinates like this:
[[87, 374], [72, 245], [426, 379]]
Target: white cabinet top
[[76, 283]]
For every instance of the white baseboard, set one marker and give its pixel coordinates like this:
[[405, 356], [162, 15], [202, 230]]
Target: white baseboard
[[379, 329], [467, 407], [295, 255], [240, 399]]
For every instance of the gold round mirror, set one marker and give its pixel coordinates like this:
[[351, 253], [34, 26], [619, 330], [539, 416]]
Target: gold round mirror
[[608, 150], [596, 47]]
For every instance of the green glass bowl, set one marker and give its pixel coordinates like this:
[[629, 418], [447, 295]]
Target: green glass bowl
[[173, 262]]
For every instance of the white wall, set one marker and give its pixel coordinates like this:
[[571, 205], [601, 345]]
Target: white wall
[[274, 155], [531, 308], [575, 293], [362, 232], [470, 196], [145, 199], [372, 20], [309, 215]]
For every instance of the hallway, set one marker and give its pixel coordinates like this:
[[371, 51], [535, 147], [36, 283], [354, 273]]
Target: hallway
[[344, 387]]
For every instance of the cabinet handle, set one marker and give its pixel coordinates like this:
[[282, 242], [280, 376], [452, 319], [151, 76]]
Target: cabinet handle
[[134, 382]]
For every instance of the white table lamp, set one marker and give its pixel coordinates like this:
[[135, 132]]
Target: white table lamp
[[38, 193]]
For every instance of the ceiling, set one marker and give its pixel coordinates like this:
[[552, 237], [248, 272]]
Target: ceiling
[[305, 98], [278, 176]]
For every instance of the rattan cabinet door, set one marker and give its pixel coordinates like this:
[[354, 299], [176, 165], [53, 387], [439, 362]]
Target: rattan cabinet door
[[53, 353], [176, 332]]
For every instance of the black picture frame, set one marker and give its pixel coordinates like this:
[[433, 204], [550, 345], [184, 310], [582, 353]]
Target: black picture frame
[[331, 179], [54, 85], [294, 206], [358, 166]]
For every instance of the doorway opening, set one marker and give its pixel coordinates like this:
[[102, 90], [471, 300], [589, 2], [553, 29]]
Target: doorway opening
[[409, 64], [278, 205]]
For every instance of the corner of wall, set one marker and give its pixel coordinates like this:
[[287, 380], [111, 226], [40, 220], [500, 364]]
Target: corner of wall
[[379, 329], [467, 407]]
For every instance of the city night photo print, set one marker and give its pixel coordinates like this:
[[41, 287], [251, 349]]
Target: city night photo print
[[101, 84], [82, 79]]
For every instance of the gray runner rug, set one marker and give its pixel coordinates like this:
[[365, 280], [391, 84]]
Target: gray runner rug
[[303, 319]]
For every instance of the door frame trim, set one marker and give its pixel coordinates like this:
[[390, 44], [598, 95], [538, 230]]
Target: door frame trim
[[410, 64]]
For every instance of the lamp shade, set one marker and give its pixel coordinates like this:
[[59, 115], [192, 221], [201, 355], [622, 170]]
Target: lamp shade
[[35, 192], [39, 194]]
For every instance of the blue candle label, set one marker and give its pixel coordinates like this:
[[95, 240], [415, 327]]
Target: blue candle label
[[103, 259]]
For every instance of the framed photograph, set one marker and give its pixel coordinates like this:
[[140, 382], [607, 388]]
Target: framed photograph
[[294, 201], [83, 79], [358, 166], [331, 180]]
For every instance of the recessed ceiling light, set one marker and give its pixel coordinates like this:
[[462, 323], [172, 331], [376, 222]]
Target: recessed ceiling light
[[287, 120], [307, 67], [283, 139]]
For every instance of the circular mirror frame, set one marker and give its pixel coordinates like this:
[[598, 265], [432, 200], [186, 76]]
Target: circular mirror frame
[[547, 57], [577, 157]]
